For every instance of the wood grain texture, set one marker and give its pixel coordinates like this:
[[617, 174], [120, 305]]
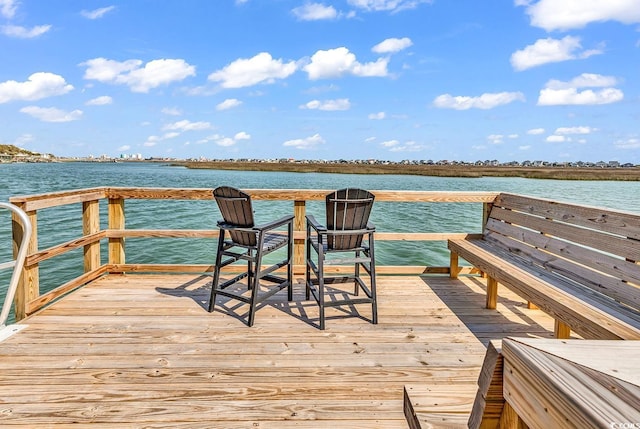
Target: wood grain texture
[[141, 350]]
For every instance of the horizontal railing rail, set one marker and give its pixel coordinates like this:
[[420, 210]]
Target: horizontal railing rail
[[28, 296]]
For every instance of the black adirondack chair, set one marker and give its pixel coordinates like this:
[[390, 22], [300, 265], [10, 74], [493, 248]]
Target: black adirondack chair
[[348, 233], [249, 242]]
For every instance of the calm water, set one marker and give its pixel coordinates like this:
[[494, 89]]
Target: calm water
[[58, 225]]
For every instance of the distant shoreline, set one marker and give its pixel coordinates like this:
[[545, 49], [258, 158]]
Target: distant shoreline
[[556, 173]]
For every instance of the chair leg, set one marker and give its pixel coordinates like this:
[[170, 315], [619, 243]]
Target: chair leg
[[374, 296], [356, 285], [216, 272], [290, 263], [255, 285], [321, 289]]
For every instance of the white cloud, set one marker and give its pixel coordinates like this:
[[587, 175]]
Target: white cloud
[[51, 114], [524, 147], [242, 136], [186, 125], [337, 62], [397, 146], [306, 143], [575, 130], [570, 14], [557, 93], [631, 143], [8, 8], [100, 101], [495, 138], [556, 139], [262, 68], [328, 105], [377, 116], [229, 103], [171, 111], [24, 32], [513, 136], [585, 80], [315, 12], [386, 5], [225, 141], [549, 50], [124, 148], [170, 135], [392, 45], [40, 85], [536, 131], [485, 101], [139, 79], [97, 13]]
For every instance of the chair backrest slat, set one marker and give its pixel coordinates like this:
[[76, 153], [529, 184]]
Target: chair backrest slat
[[236, 210], [347, 209]]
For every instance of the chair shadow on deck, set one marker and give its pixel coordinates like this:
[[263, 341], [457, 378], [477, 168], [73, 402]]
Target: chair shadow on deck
[[467, 299], [301, 309]]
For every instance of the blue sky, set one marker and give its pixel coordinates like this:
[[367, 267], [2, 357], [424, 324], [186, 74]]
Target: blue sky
[[467, 80]]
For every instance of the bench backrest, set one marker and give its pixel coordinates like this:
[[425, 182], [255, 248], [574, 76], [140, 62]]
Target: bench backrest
[[594, 247]]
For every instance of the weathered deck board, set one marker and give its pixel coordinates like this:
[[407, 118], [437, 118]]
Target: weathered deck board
[[140, 350]]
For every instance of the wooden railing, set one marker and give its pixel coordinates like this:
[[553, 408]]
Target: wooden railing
[[29, 298]]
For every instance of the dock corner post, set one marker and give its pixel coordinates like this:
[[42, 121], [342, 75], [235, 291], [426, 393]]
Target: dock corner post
[[486, 211], [91, 225], [29, 282], [116, 222], [300, 212]]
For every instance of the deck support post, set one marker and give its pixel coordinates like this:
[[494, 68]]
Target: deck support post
[[91, 225], [29, 283], [116, 221], [454, 267], [492, 293], [561, 330]]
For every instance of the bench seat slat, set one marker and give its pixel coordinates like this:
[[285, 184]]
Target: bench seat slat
[[613, 222], [584, 314]]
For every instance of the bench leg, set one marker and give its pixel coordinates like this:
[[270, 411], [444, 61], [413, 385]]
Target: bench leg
[[492, 293], [510, 418], [562, 331], [454, 268]]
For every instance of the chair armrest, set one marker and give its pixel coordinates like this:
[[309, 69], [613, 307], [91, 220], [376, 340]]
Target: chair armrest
[[371, 227], [311, 221], [274, 224], [231, 227]]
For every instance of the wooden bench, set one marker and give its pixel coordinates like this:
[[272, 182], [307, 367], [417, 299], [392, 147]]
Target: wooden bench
[[579, 264], [546, 383]]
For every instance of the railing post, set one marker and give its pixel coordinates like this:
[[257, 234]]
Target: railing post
[[299, 212], [486, 211], [29, 284], [91, 225], [116, 221]]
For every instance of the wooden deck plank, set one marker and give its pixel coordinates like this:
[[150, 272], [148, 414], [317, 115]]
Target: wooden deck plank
[[132, 350]]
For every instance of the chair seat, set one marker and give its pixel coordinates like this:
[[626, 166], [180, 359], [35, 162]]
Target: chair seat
[[271, 242]]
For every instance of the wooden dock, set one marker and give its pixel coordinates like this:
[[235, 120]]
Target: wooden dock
[[140, 350]]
